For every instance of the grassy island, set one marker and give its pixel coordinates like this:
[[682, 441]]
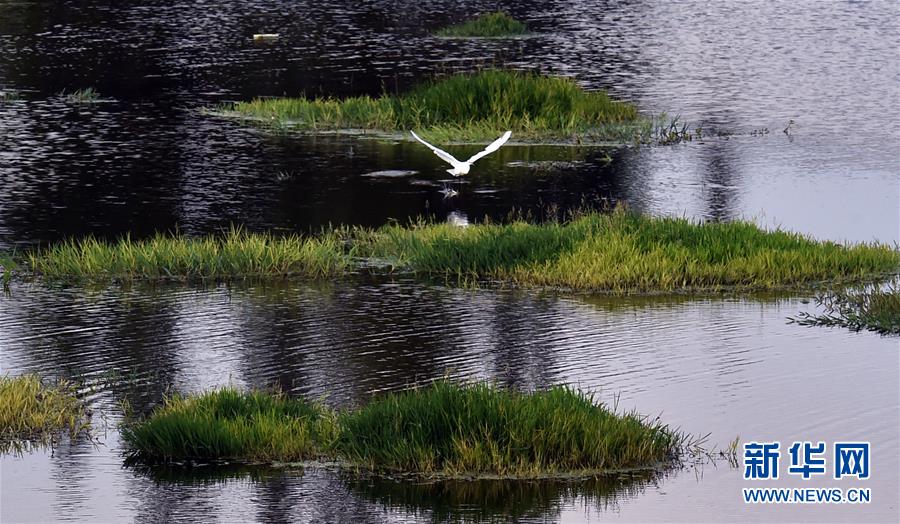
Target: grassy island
[[444, 429], [229, 424], [474, 107], [618, 252], [488, 25], [234, 253], [483, 429], [34, 412], [623, 252]]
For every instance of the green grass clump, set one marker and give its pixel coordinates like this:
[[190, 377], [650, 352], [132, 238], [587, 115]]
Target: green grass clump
[[489, 25], [82, 96], [444, 428], [228, 424], [469, 107], [623, 252], [8, 265], [618, 252], [872, 309], [236, 253], [32, 411], [456, 429]]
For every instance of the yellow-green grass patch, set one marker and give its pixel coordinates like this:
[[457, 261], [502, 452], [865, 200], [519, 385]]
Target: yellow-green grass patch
[[34, 412]]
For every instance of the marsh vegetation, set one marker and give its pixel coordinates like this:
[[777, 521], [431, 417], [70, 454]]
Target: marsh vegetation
[[488, 25], [445, 429], [480, 428], [464, 107], [8, 266], [618, 252], [229, 424], [36, 412], [624, 252], [233, 253], [873, 309], [88, 95]]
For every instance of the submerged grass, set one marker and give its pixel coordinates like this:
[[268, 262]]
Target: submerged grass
[[445, 428], [872, 309], [466, 107], [34, 412], [235, 253], [488, 25], [623, 252], [617, 252]]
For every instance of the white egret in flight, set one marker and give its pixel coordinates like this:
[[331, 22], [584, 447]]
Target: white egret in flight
[[462, 168]]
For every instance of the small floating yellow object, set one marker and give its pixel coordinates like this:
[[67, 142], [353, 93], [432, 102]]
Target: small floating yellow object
[[265, 36]]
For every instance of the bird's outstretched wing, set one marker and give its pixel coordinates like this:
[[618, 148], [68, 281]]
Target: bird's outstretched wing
[[495, 145], [445, 156]]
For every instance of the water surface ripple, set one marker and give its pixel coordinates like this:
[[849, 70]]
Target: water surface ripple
[[729, 366], [144, 159]]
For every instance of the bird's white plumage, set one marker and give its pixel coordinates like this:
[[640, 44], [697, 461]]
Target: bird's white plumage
[[493, 146], [462, 168], [445, 156]]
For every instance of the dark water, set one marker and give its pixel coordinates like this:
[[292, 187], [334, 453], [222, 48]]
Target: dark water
[[729, 366], [144, 159]]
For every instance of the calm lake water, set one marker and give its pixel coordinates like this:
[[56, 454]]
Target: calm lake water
[[144, 160]]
